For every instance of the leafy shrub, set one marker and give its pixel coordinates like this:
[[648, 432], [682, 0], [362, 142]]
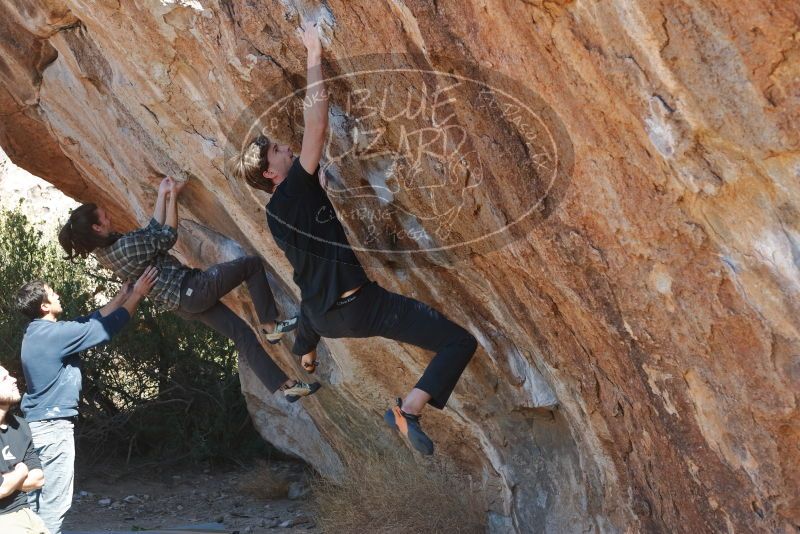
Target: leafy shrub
[[164, 388]]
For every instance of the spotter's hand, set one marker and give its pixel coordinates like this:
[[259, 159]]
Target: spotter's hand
[[146, 282]]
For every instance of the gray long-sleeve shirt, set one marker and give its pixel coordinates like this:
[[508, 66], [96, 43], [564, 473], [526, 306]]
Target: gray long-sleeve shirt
[[51, 363]]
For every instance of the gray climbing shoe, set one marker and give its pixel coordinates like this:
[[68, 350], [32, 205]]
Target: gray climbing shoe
[[274, 337], [300, 389]]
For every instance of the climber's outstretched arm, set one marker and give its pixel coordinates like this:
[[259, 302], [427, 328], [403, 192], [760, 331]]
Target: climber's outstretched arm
[[315, 105], [174, 189], [159, 212]]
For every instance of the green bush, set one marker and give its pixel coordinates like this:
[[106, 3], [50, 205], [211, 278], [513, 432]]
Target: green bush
[[163, 388]]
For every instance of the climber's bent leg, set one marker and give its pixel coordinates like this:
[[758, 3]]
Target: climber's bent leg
[[377, 312], [201, 290], [221, 319]]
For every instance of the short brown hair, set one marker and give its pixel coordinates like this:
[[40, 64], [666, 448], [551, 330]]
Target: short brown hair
[[30, 297], [251, 164]]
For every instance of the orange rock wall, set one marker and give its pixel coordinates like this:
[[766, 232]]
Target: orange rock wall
[[655, 296]]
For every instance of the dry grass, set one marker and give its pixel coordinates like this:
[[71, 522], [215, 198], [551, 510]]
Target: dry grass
[[266, 482], [397, 492]]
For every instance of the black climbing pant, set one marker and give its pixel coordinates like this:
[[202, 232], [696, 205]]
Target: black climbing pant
[[200, 294], [375, 312]]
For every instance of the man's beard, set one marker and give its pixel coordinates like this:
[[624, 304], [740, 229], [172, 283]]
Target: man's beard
[[11, 398]]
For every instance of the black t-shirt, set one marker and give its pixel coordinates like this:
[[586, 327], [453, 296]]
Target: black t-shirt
[[304, 225], [16, 445]]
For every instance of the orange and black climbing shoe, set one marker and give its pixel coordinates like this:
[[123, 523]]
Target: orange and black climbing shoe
[[409, 428]]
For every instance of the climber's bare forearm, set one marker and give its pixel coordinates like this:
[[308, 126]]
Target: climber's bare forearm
[[315, 105], [315, 112]]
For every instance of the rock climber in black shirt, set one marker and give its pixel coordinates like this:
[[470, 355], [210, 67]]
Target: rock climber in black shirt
[[337, 298]]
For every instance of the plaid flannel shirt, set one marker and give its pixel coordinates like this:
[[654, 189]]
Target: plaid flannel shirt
[[128, 256]]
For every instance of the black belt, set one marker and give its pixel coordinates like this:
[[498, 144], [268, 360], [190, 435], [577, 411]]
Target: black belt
[[349, 298], [72, 419]]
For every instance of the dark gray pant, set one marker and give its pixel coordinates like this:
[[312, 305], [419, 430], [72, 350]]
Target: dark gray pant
[[373, 311], [200, 294]]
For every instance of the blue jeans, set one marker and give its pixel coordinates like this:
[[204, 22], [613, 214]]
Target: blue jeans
[[55, 442]]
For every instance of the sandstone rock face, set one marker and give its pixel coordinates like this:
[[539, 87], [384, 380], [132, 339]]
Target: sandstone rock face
[[623, 238]]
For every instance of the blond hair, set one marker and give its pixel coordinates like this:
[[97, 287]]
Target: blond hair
[[252, 162]]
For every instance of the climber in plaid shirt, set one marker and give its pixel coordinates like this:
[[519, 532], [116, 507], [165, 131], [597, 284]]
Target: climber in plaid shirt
[[191, 293], [129, 254]]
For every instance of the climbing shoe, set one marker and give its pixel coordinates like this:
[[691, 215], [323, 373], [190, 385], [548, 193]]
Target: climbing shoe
[[300, 389], [408, 426], [281, 327]]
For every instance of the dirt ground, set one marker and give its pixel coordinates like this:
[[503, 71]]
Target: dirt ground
[[119, 497]]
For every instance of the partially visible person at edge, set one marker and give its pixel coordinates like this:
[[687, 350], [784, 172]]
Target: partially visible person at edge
[[191, 293], [51, 365], [338, 299], [20, 465]]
